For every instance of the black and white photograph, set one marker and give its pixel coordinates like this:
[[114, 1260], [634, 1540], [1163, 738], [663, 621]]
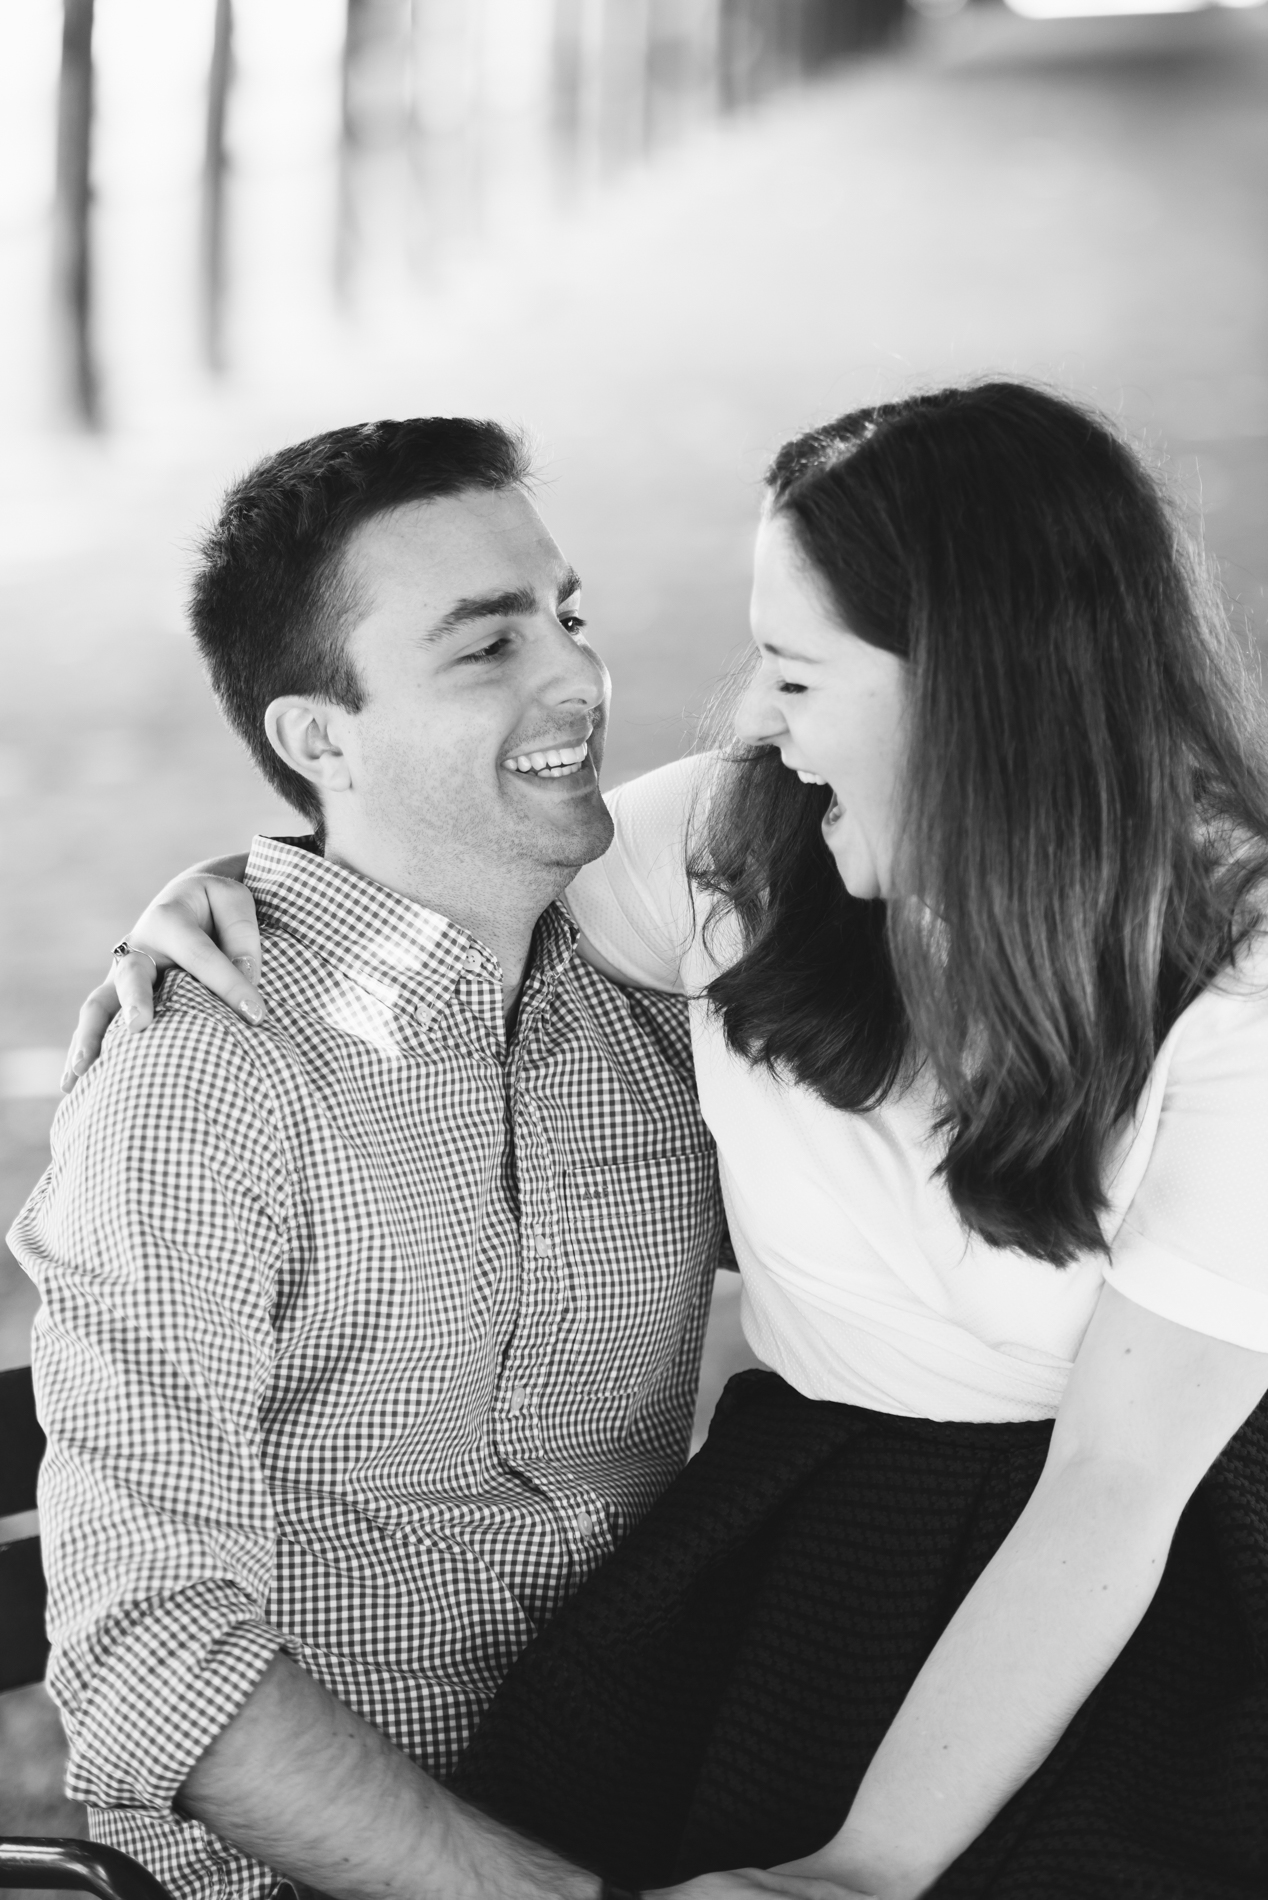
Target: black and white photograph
[[634, 989]]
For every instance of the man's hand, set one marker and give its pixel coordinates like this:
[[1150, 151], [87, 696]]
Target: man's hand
[[203, 921]]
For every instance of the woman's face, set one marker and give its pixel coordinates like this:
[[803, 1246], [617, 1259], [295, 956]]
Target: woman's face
[[833, 704]]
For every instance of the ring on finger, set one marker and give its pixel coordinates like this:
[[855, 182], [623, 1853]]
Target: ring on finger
[[125, 949]]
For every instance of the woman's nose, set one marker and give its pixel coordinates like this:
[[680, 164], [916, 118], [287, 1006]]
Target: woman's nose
[[758, 719]]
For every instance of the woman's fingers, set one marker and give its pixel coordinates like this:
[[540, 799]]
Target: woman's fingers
[[135, 977], [94, 1019], [809, 1886], [757, 1883], [814, 1878], [237, 932], [177, 928], [207, 926], [129, 987]]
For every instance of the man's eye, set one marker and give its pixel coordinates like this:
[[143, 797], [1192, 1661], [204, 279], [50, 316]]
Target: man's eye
[[571, 623], [491, 652]]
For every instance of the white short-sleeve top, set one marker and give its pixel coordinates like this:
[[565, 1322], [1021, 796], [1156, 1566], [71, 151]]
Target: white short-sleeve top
[[860, 1281]]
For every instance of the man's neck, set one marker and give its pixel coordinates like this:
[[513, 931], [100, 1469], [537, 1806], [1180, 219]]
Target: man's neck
[[500, 912]]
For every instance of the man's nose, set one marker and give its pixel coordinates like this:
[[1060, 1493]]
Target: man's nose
[[575, 674]]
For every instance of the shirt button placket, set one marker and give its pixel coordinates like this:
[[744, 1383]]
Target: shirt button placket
[[519, 1400]]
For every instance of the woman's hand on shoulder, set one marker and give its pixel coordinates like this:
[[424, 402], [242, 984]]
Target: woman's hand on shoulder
[[203, 922]]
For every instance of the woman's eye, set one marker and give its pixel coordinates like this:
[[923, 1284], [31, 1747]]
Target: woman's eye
[[788, 686]]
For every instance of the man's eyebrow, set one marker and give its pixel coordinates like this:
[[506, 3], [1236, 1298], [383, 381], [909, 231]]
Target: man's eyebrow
[[513, 600]]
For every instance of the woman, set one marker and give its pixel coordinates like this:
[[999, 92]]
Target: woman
[[971, 1589]]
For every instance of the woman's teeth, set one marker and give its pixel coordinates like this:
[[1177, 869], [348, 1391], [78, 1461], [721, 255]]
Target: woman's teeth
[[811, 778], [556, 762]]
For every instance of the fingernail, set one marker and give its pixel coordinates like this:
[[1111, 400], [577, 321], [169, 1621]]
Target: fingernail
[[132, 1015], [68, 1082], [78, 1061], [252, 1009], [247, 967]]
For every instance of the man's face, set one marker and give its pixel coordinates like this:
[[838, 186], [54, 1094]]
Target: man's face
[[483, 724]]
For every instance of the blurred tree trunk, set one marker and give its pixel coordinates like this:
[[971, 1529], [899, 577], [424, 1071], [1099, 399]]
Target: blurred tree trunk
[[837, 28], [215, 166], [374, 131], [682, 67], [567, 87], [72, 213], [358, 37], [450, 140]]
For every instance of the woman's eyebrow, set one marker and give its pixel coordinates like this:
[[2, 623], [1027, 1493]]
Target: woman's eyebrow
[[786, 653]]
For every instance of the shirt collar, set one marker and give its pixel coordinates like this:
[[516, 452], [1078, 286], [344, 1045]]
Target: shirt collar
[[397, 949]]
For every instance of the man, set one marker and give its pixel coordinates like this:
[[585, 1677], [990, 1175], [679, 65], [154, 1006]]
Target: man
[[366, 1333]]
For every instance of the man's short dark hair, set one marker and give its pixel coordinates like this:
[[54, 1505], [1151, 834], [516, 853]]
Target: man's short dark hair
[[271, 605]]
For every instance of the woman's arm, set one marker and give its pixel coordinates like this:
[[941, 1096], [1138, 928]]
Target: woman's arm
[[634, 905], [634, 909], [1149, 1406], [203, 920]]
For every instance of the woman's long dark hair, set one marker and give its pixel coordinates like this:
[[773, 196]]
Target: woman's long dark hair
[[1085, 812]]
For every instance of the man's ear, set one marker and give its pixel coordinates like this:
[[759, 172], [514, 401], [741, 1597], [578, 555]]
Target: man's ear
[[303, 733]]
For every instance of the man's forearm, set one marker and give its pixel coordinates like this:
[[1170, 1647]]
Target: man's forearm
[[300, 1782], [1036, 1633]]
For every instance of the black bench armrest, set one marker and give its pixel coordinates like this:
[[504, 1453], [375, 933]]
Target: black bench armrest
[[77, 1864]]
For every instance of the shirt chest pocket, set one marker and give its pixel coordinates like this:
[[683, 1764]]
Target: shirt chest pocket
[[641, 1240]]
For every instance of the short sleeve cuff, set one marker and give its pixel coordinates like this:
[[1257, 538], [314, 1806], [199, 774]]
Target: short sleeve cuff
[[163, 1694], [1177, 1289]]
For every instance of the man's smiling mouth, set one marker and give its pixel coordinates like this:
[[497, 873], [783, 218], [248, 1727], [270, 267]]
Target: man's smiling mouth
[[552, 762]]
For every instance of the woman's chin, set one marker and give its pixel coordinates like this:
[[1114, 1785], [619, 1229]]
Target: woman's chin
[[856, 870]]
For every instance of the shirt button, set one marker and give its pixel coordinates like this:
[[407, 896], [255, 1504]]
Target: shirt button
[[585, 1524], [423, 1015], [541, 1245], [473, 961], [518, 1399]]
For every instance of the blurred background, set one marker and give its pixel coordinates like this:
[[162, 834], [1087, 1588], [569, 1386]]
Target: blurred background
[[663, 234]]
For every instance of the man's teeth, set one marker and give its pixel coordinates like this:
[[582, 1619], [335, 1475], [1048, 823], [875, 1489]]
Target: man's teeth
[[811, 778], [556, 762]]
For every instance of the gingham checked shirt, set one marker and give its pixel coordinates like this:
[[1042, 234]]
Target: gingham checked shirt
[[364, 1334]]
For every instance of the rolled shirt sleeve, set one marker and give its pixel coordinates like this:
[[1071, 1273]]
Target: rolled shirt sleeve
[[1193, 1245], [154, 1238]]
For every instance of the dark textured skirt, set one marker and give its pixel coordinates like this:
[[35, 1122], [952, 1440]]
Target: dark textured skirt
[[712, 1697]]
